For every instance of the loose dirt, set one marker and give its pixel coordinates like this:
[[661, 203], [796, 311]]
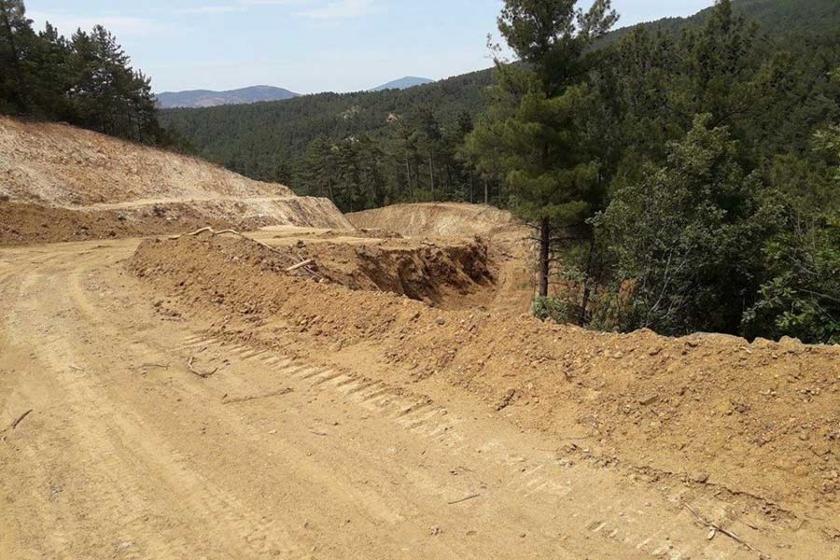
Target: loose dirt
[[435, 219], [754, 425], [60, 183]]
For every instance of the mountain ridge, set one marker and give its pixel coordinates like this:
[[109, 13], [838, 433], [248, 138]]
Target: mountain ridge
[[203, 98], [266, 141], [403, 83]]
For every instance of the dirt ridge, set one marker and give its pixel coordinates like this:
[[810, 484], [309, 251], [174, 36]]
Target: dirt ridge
[[759, 419]]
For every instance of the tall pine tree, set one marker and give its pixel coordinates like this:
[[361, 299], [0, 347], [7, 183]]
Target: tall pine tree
[[531, 134]]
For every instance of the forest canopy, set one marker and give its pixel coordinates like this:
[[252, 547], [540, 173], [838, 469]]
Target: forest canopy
[[85, 80]]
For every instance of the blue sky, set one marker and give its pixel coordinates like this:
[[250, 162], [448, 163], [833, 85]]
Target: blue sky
[[304, 45]]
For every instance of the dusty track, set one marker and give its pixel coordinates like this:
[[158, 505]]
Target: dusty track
[[127, 453]]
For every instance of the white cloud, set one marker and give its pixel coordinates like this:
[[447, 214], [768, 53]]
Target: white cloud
[[121, 26], [212, 9], [340, 9]]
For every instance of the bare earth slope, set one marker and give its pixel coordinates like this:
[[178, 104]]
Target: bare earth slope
[[742, 433], [434, 219], [61, 183], [328, 393], [507, 238]]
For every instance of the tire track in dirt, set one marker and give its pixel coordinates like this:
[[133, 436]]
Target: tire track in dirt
[[624, 522]]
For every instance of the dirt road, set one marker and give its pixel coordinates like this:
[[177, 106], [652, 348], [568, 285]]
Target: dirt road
[[149, 439]]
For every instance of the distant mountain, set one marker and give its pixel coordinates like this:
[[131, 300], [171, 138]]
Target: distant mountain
[[403, 83], [208, 98]]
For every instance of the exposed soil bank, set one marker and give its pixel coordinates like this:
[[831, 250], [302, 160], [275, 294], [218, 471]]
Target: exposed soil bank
[[22, 223], [760, 421], [60, 183], [435, 219]]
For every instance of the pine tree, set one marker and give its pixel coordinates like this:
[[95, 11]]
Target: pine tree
[[531, 135], [15, 39]]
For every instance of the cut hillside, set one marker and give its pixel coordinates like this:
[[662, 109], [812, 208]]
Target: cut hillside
[[434, 219], [755, 423], [59, 183]]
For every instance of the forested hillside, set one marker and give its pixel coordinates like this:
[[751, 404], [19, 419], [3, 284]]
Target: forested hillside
[[86, 80], [370, 148], [272, 141], [683, 172]]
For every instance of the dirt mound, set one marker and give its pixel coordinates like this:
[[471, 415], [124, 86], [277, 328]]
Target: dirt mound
[[59, 183], [757, 422], [449, 274], [434, 219]]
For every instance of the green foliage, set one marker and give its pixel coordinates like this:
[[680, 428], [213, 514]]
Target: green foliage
[[734, 227], [641, 104], [558, 309], [688, 236], [87, 81], [532, 135], [408, 128], [801, 298]]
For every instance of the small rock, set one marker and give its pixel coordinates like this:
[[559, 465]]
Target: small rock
[[700, 477], [650, 399]]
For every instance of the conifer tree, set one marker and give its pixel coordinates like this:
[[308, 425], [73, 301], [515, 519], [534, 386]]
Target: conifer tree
[[531, 133]]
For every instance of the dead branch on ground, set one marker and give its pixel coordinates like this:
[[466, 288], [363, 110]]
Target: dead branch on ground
[[718, 528], [470, 497], [20, 418], [214, 233], [301, 264]]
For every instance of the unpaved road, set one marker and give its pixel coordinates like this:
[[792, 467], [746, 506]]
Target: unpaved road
[[127, 453]]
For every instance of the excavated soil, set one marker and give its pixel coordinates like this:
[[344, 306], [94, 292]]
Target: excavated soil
[[758, 423], [448, 273], [56, 164], [435, 219], [60, 183]]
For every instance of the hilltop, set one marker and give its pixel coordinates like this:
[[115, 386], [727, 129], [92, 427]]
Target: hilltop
[[403, 83], [208, 98]]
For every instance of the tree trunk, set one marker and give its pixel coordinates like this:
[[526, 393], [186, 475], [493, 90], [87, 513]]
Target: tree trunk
[[486, 192], [432, 175], [587, 286], [545, 246]]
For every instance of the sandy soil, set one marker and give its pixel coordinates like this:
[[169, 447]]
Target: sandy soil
[[435, 219], [60, 183], [60, 165], [168, 427]]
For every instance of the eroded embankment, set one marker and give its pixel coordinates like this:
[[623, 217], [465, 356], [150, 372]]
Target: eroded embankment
[[435, 219], [759, 422], [61, 183], [23, 223]]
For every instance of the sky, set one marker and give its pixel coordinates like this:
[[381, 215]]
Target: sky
[[306, 46]]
